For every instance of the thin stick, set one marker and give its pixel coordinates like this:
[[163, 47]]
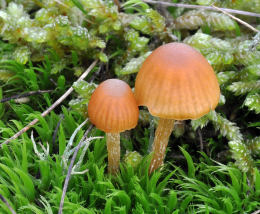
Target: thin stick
[[57, 129], [151, 138], [27, 94], [70, 169], [256, 212], [7, 204], [237, 19], [47, 111], [240, 12], [201, 140]]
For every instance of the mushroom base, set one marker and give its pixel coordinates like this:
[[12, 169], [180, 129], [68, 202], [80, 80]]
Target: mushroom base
[[162, 134], [113, 149]]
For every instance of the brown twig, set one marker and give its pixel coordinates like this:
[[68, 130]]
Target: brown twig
[[237, 19], [47, 111], [7, 204], [167, 4], [27, 94], [70, 169]]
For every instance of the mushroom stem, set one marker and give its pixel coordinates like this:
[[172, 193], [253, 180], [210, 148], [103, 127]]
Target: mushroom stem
[[162, 134], [113, 149]]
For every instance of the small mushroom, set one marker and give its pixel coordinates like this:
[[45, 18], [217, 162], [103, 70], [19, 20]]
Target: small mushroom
[[175, 83], [112, 108]]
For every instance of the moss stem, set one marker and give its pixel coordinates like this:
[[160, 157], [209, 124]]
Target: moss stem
[[113, 149], [162, 134]]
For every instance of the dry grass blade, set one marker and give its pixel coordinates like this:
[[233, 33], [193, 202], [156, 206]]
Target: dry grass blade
[[61, 3], [30, 93], [7, 204], [47, 111], [70, 169], [167, 4]]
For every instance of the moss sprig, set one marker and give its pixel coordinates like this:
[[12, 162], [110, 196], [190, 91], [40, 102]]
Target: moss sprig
[[200, 123], [150, 22], [195, 19], [5, 75], [241, 152], [244, 87], [133, 65], [84, 91], [103, 15], [225, 77], [218, 52], [225, 127], [47, 29], [27, 5], [247, 5], [242, 156], [252, 101], [247, 53], [254, 145]]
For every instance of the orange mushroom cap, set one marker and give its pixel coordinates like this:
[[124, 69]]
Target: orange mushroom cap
[[112, 107], [177, 82]]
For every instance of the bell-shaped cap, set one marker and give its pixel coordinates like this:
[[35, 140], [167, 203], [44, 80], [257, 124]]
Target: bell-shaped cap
[[112, 107], [177, 82]]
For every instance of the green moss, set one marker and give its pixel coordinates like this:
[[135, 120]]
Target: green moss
[[47, 45]]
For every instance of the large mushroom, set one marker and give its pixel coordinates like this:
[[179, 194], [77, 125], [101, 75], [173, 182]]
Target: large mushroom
[[175, 83], [112, 108]]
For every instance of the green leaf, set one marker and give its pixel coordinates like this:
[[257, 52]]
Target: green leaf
[[185, 202], [159, 202], [228, 205], [62, 140], [257, 183], [79, 5], [2, 110], [108, 206], [191, 167], [28, 187], [172, 200], [61, 82], [24, 158], [46, 173], [13, 178], [235, 181], [230, 191]]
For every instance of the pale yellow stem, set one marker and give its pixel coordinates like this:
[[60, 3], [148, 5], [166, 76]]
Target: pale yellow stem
[[162, 134], [113, 149]]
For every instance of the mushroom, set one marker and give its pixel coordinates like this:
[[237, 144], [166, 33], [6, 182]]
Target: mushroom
[[175, 83], [112, 108]]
